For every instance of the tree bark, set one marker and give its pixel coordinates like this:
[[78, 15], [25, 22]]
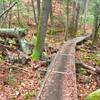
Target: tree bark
[[96, 22], [85, 13], [34, 12], [77, 17], [38, 9], [42, 27], [67, 23]]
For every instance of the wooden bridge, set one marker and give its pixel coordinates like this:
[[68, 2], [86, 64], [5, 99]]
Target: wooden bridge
[[60, 81]]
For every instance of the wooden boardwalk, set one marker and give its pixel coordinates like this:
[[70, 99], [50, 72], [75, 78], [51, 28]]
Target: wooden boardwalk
[[60, 82]]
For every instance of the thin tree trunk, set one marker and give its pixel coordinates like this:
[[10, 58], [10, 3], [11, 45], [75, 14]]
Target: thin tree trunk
[[67, 24], [34, 12], [51, 16], [38, 8], [77, 17], [85, 13], [96, 22], [95, 30], [10, 15]]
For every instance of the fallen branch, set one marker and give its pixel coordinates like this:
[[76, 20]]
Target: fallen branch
[[12, 32], [16, 33], [96, 70]]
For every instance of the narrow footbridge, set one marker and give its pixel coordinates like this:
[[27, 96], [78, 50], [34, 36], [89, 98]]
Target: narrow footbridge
[[60, 81]]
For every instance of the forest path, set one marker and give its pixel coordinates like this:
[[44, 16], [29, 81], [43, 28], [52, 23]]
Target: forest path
[[60, 82]]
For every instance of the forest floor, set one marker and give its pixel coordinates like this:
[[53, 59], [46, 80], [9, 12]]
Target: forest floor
[[87, 81], [23, 81]]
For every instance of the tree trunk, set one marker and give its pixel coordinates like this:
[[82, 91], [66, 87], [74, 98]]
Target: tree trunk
[[67, 24], [34, 12], [85, 13], [77, 17], [38, 9], [95, 30], [42, 27], [96, 22], [74, 21]]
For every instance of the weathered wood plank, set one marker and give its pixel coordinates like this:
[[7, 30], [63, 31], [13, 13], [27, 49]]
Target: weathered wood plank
[[61, 81]]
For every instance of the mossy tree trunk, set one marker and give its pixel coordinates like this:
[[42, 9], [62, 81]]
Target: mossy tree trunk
[[42, 27], [96, 22]]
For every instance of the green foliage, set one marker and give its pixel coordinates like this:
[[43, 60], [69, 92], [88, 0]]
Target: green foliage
[[19, 10], [90, 19], [95, 57], [10, 80], [5, 1], [94, 95], [53, 31], [82, 71], [1, 58], [29, 95], [36, 55]]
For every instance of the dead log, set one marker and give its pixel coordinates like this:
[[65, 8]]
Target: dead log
[[12, 32], [96, 69], [17, 33]]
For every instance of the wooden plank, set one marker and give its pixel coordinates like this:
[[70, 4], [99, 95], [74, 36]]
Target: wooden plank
[[61, 82]]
